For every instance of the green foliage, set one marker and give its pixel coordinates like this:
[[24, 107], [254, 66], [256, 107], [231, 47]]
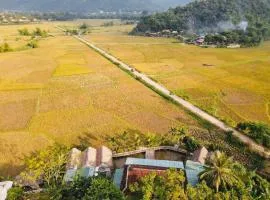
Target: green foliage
[[32, 44], [72, 31], [191, 143], [219, 173], [169, 186], [200, 192], [84, 29], [258, 131], [47, 165], [5, 48], [84, 26], [15, 193], [93, 188], [106, 24], [132, 139], [36, 33], [212, 16], [39, 33], [24, 32]]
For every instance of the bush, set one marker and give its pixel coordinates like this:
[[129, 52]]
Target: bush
[[15, 193], [191, 144], [24, 32], [40, 33], [46, 166], [5, 48], [166, 187], [32, 44], [92, 188], [258, 131]]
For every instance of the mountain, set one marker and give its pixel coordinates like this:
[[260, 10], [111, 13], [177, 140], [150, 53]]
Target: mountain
[[89, 5], [209, 16]]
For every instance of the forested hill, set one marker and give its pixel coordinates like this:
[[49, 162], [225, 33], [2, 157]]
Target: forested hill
[[89, 5], [210, 16]]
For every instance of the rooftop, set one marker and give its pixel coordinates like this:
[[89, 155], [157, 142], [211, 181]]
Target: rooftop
[[193, 169], [155, 163]]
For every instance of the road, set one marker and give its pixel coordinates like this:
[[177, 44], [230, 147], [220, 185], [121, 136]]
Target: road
[[197, 111]]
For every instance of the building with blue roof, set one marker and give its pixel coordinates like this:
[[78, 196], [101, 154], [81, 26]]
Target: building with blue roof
[[193, 169], [155, 163]]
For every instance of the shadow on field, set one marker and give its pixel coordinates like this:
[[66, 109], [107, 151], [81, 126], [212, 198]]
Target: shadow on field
[[86, 140], [8, 170]]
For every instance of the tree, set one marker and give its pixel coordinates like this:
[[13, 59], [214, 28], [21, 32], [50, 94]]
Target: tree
[[200, 192], [219, 173], [92, 188], [258, 131], [24, 32], [32, 44], [47, 165], [169, 186]]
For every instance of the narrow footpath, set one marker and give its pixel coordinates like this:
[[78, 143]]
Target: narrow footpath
[[165, 92]]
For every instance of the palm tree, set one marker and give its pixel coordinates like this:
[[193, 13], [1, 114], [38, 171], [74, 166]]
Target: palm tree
[[220, 172]]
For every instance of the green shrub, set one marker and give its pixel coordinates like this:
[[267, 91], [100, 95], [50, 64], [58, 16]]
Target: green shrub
[[24, 32], [92, 188], [32, 44], [47, 166], [191, 143], [15, 193], [5, 48], [260, 132]]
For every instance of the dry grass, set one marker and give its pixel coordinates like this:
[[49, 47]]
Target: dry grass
[[64, 92], [230, 83]]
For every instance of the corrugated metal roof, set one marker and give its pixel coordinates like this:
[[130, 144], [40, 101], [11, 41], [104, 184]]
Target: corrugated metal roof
[[193, 169], [86, 172], [155, 163], [70, 174], [117, 178]]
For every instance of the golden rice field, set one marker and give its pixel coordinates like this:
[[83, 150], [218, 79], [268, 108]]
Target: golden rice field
[[65, 92], [233, 84]]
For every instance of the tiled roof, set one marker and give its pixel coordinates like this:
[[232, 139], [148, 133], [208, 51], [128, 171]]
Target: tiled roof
[[155, 163]]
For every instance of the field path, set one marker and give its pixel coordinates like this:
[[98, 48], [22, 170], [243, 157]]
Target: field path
[[165, 92]]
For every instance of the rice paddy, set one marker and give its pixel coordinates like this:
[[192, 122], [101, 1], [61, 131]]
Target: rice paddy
[[65, 92], [232, 84]]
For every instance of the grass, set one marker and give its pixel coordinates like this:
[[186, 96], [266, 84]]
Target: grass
[[234, 88], [65, 92]]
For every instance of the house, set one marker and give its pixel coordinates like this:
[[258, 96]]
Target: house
[[135, 168], [199, 40], [234, 46], [88, 163], [200, 155]]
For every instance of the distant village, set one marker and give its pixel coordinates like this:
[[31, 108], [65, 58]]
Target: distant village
[[198, 40], [14, 18]]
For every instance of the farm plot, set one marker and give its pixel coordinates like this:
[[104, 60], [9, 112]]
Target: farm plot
[[232, 84], [65, 92]]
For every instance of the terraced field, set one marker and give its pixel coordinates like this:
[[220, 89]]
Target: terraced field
[[232, 84], [65, 92]]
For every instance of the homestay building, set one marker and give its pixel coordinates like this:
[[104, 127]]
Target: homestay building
[[129, 167], [136, 168], [88, 163]]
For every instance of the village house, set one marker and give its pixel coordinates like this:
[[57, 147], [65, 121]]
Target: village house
[[129, 167]]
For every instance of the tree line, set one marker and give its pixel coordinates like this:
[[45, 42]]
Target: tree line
[[210, 17]]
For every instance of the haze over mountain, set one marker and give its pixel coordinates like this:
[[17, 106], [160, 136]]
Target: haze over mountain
[[89, 5]]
